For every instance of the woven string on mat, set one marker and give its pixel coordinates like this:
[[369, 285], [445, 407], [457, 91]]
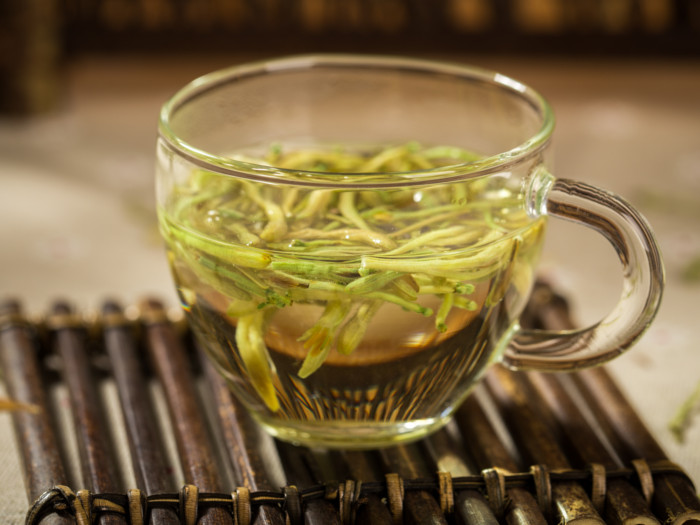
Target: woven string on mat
[[189, 503]]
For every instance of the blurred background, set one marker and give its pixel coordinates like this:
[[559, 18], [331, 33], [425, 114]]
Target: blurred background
[[40, 37], [82, 81]]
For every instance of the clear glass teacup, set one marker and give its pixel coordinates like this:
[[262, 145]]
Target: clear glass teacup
[[354, 238]]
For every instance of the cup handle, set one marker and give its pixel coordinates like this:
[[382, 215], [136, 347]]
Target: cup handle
[[642, 274]]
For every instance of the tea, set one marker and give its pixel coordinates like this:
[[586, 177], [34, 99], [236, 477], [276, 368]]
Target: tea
[[352, 286], [313, 303]]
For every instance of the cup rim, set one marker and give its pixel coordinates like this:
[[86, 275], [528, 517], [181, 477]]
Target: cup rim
[[273, 174]]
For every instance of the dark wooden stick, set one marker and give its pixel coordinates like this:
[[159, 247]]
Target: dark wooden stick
[[570, 501], [242, 438], [674, 498], [488, 450], [372, 511], [419, 506], [623, 503], [173, 368], [622, 424], [99, 470], [361, 466], [302, 471], [150, 465], [470, 505], [620, 421], [41, 457]]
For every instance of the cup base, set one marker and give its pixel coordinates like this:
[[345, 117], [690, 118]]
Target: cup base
[[351, 435]]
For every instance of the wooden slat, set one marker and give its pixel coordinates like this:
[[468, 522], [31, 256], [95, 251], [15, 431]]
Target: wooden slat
[[514, 420], [362, 466], [419, 506], [674, 499], [42, 462], [153, 475], [470, 505], [174, 371], [571, 504], [623, 504], [99, 471], [488, 451], [242, 439], [303, 473]]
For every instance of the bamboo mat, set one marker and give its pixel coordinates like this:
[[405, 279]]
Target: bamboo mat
[[525, 448]]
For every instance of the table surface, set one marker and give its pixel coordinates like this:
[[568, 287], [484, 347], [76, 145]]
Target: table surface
[[77, 206]]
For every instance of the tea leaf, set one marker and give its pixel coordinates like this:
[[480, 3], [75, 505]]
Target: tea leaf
[[683, 418], [691, 272], [441, 317], [253, 352], [264, 248], [11, 405], [352, 332], [318, 338]]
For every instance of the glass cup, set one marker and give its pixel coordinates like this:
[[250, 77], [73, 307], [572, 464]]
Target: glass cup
[[354, 238]]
